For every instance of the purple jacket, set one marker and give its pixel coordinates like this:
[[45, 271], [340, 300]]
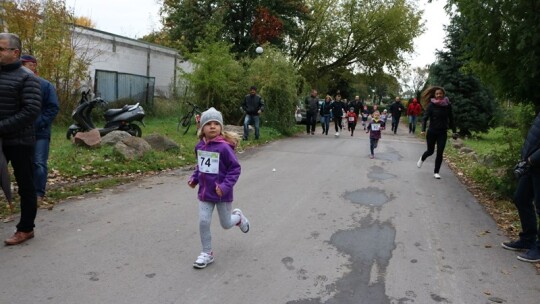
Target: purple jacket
[[229, 171]]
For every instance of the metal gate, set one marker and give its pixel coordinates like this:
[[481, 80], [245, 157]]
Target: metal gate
[[114, 86]]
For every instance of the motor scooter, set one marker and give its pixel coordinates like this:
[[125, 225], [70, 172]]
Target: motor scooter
[[115, 119]]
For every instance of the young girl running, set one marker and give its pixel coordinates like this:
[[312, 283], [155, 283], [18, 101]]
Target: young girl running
[[374, 128], [216, 173]]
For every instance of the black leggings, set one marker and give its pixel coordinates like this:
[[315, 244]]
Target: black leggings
[[438, 137], [337, 123]]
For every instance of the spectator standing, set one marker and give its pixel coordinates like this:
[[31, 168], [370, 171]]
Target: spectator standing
[[396, 109], [413, 111], [312, 108], [527, 198], [42, 128], [20, 104], [440, 117], [253, 106]]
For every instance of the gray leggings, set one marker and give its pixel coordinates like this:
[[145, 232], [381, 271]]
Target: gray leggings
[[226, 219]]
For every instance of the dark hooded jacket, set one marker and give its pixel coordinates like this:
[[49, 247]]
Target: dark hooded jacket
[[531, 147], [20, 104]]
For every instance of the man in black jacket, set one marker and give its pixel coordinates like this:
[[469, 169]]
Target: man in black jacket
[[396, 109], [253, 106], [527, 198], [20, 104], [311, 103]]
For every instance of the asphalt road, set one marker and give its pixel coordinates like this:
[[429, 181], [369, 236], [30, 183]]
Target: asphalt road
[[329, 225]]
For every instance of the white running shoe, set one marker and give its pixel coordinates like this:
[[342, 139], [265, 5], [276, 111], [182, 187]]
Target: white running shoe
[[203, 260], [419, 163], [337, 134], [437, 176], [244, 222]]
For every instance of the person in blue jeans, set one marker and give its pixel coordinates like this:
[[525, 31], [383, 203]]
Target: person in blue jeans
[[326, 113], [42, 127], [527, 199], [253, 106]]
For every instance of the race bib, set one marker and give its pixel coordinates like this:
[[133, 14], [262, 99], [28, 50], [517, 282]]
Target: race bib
[[351, 119], [208, 162], [375, 127]]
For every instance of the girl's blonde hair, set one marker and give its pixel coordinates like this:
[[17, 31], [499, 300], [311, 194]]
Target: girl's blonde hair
[[232, 138]]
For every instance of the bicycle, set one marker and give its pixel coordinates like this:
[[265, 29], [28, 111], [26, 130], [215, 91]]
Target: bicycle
[[193, 115]]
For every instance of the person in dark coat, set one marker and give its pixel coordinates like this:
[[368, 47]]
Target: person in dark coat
[[396, 109], [338, 109], [527, 198], [42, 127], [311, 103], [253, 106], [20, 105]]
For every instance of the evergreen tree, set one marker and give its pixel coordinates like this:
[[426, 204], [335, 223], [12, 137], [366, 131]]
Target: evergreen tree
[[473, 103]]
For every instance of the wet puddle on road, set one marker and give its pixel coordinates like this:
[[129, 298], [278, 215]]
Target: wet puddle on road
[[377, 173], [368, 197], [370, 248], [390, 154]]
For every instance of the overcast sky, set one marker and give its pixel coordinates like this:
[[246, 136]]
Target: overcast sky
[[136, 18]]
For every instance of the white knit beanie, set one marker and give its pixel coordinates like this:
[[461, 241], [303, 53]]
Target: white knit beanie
[[211, 115]]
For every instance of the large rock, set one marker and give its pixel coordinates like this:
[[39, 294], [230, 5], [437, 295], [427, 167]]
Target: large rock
[[237, 129], [161, 143], [132, 147], [113, 137], [90, 138]]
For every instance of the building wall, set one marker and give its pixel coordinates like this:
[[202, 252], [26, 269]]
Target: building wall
[[112, 52]]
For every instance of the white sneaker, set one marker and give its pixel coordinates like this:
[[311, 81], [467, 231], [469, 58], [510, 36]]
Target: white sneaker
[[419, 163], [244, 222], [203, 260], [437, 176], [337, 134]]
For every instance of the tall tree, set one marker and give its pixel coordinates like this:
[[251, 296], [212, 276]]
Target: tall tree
[[371, 35], [504, 36], [473, 103], [243, 23]]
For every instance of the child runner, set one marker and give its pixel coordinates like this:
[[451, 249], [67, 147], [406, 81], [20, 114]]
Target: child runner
[[365, 113], [374, 128], [384, 117], [217, 171], [352, 118]]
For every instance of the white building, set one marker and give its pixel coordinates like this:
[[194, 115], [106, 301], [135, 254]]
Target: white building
[[121, 65]]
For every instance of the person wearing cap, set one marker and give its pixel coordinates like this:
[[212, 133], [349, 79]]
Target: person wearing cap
[[352, 119], [253, 106], [42, 127], [20, 104], [217, 172], [384, 117]]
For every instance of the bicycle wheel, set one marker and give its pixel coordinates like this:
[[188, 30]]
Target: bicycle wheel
[[187, 125], [184, 121]]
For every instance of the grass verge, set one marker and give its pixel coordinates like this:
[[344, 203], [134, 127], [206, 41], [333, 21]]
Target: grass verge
[[74, 170]]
